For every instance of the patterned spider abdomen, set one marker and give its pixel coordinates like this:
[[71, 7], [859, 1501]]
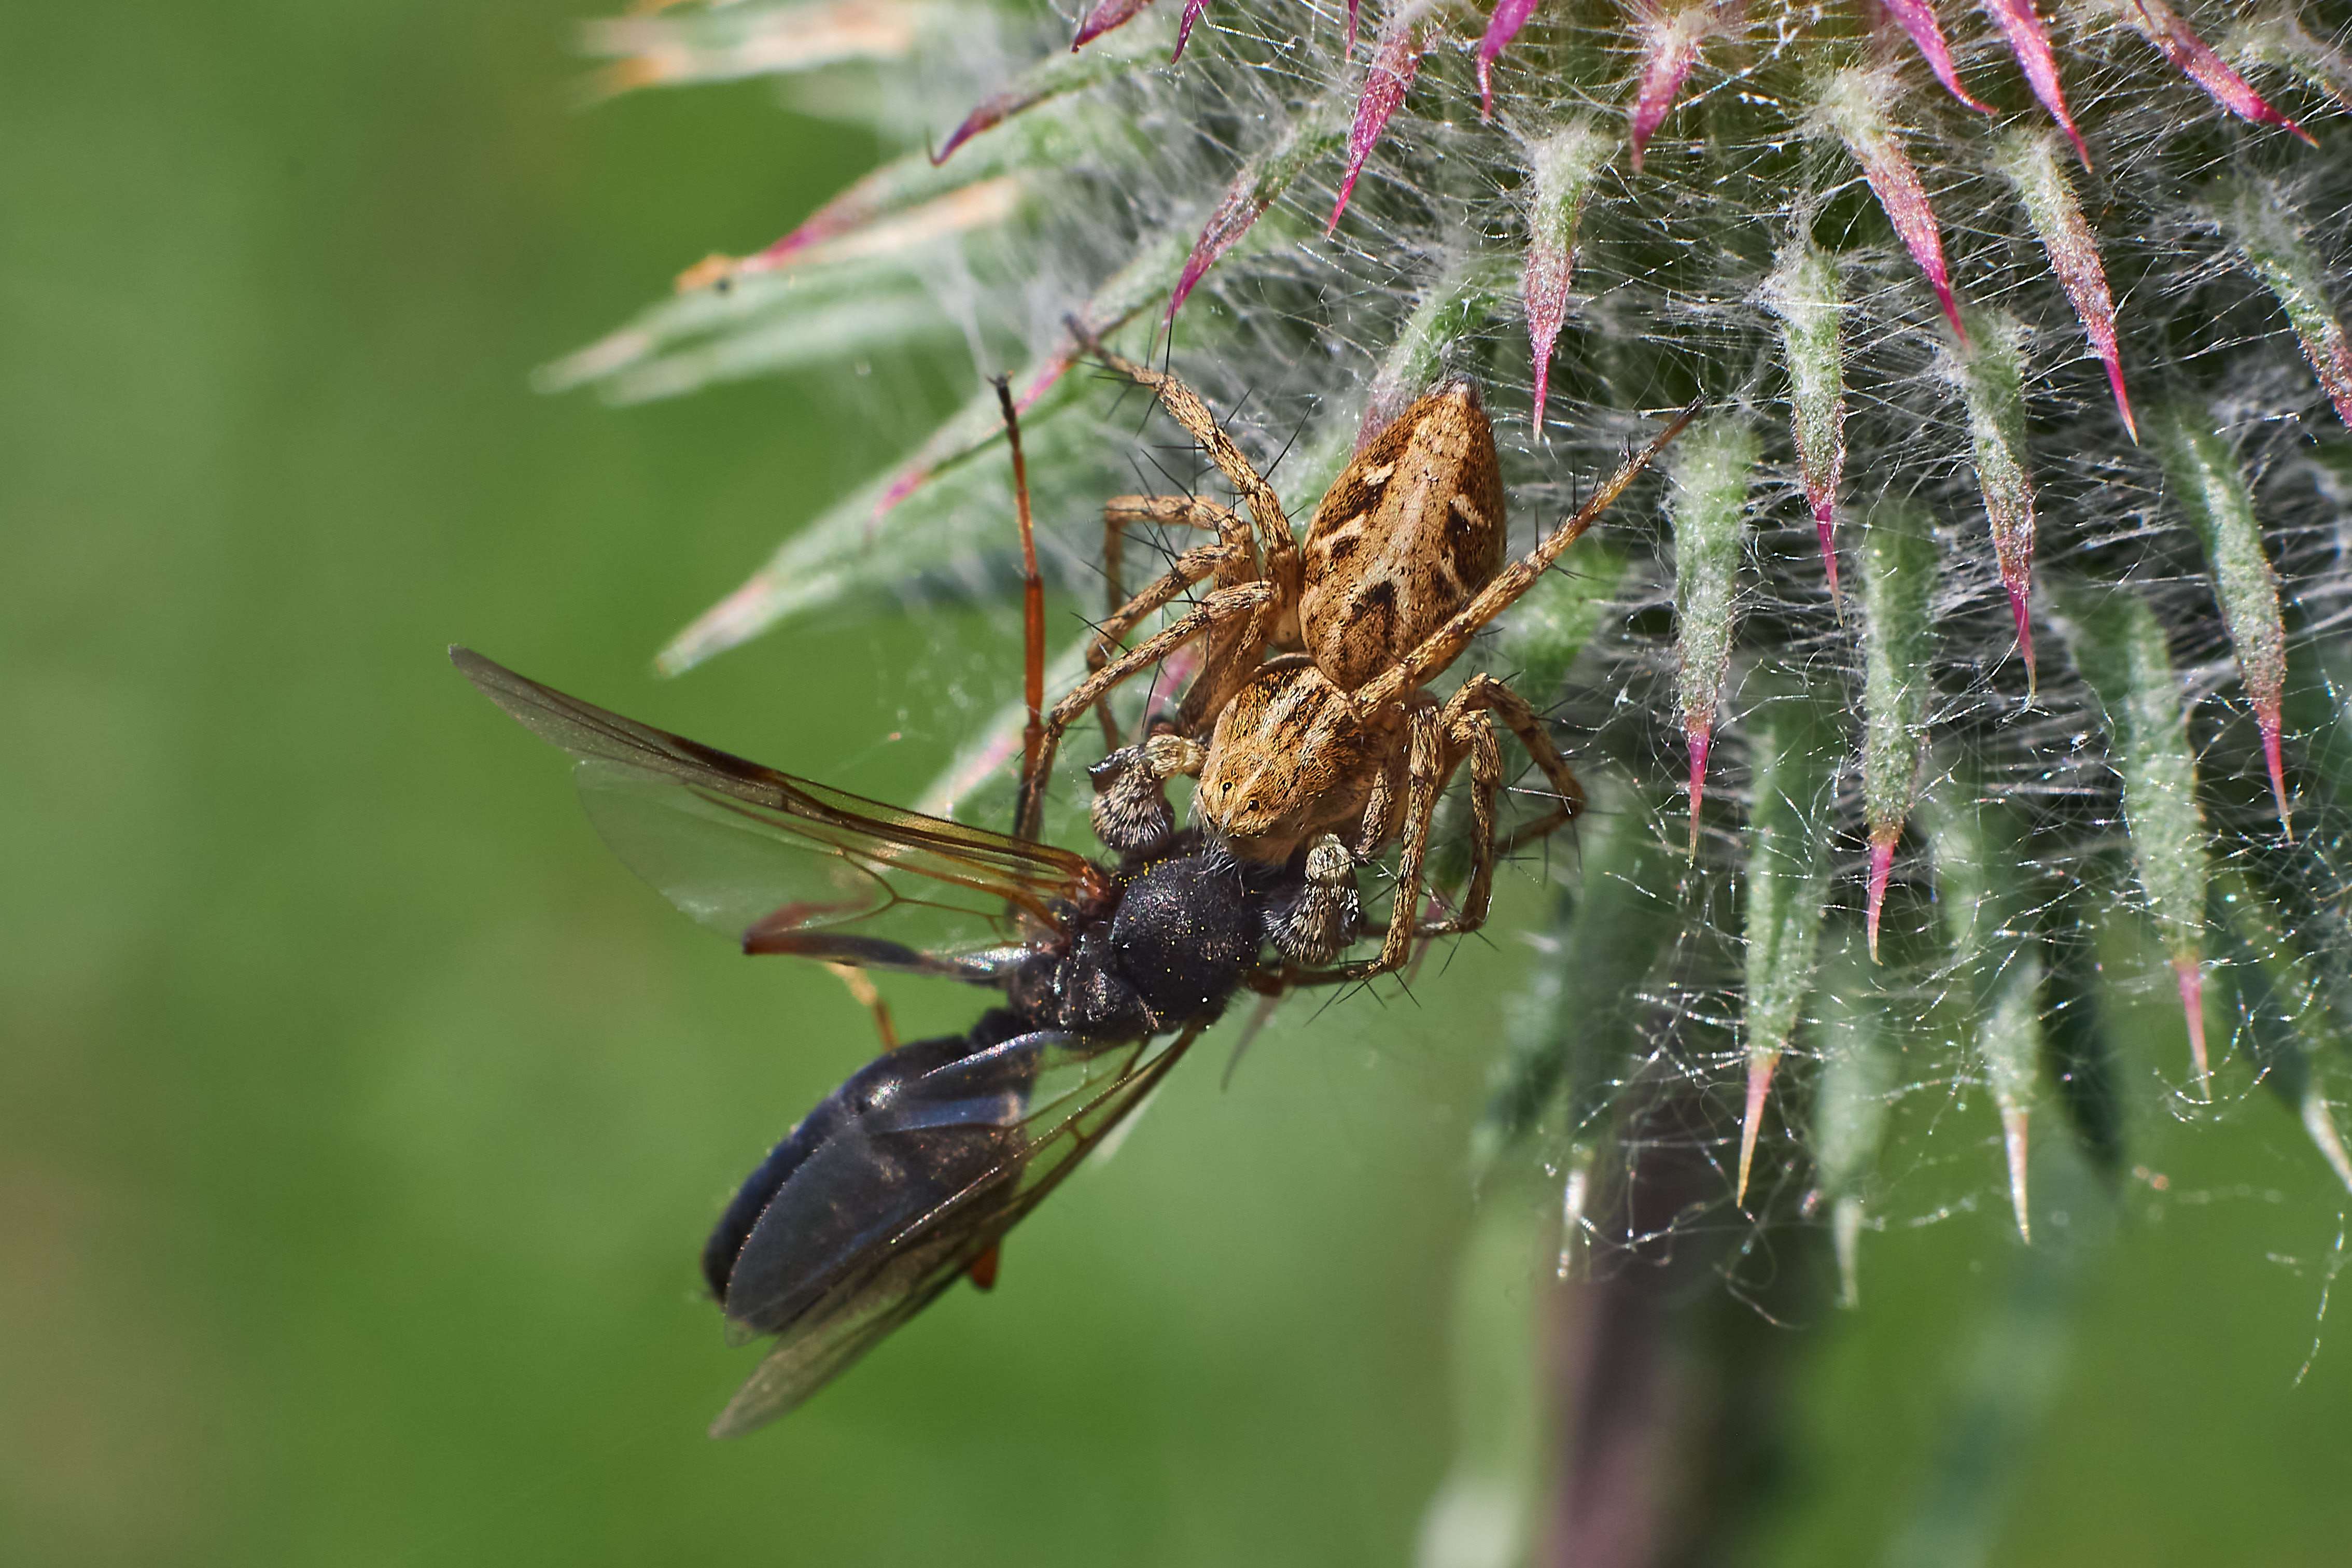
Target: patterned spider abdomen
[[1410, 531]]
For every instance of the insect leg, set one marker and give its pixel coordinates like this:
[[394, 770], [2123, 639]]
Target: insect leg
[[982, 1270], [862, 991], [1032, 584]]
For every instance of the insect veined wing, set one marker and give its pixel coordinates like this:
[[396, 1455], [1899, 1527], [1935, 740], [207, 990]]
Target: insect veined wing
[[786, 863], [906, 1193], [777, 881]]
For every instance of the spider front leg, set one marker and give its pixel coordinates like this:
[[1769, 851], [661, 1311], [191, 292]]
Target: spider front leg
[[1246, 604], [1279, 547], [1123, 512], [1232, 561]]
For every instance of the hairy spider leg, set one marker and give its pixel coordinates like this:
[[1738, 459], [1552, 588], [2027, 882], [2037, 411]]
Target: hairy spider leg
[[1470, 734], [1122, 615], [1483, 693], [1279, 559], [1248, 604]]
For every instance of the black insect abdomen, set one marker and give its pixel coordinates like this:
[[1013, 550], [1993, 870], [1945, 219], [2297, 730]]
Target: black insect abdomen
[[879, 1077]]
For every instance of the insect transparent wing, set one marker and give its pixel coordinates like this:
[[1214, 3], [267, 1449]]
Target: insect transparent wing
[[896, 1206], [739, 845], [727, 867]]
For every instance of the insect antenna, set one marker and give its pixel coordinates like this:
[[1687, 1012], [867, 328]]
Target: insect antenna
[[1033, 591]]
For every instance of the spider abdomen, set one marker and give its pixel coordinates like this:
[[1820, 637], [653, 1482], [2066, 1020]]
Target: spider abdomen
[[1411, 530]]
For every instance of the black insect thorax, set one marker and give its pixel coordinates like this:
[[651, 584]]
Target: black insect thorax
[[1166, 948]]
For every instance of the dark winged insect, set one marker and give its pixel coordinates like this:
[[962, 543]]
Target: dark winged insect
[[908, 1176]]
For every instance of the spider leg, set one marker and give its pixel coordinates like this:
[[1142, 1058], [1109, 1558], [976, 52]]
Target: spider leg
[[1426, 771], [1173, 512], [1275, 541], [1483, 691], [1231, 561], [1469, 731], [1114, 567], [1248, 603], [1381, 806]]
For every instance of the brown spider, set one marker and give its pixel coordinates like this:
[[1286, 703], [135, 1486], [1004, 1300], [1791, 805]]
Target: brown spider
[[1320, 733]]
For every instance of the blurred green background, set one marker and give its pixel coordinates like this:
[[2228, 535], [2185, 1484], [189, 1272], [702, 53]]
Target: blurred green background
[[360, 1118]]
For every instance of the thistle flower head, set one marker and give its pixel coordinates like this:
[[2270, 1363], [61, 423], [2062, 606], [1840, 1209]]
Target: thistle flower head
[[2027, 321]]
